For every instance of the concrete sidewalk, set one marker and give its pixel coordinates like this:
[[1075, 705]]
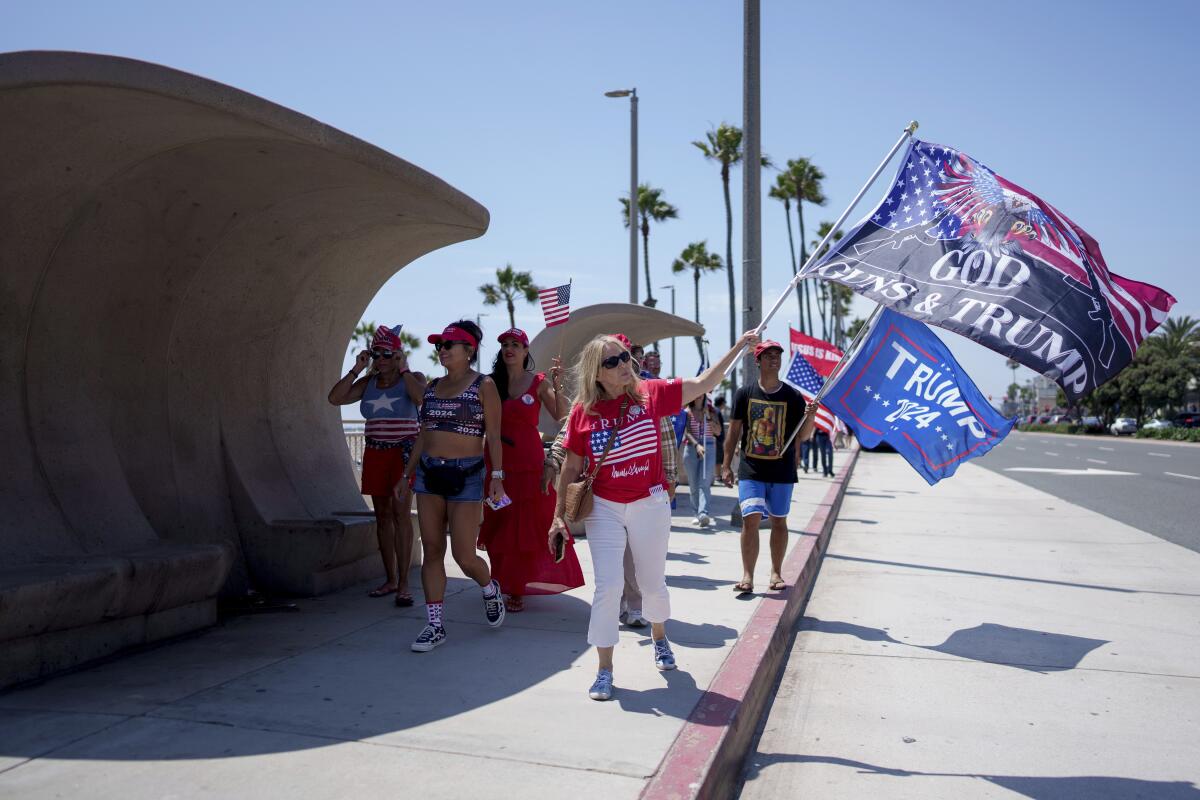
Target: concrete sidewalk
[[984, 639], [330, 703]]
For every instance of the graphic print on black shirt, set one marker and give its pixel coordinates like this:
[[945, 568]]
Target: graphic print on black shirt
[[768, 419]]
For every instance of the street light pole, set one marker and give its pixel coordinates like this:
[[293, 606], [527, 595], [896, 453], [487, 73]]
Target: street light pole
[[633, 186], [751, 184], [672, 288]]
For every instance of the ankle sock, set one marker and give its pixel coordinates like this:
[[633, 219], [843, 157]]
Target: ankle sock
[[434, 612], [489, 591]]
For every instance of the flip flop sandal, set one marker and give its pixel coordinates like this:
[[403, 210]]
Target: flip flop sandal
[[380, 592], [743, 588], [777, 586], [404, 599]]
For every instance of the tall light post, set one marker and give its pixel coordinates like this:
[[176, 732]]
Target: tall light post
[[751, 183], [674, 374], [633, 187]]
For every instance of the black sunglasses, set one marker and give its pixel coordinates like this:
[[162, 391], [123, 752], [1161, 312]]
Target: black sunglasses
[[612, 361], [382, 353], [447, 344]]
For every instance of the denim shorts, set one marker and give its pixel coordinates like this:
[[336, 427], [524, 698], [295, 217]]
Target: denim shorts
[[757, 497], [472, 491]]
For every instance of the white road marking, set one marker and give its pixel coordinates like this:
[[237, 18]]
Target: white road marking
[[1181, 475], [1020, 448], [1109, 449], [1097, 461], [1051, 454], [1058, 471], [1160, 455], [1071, 445]]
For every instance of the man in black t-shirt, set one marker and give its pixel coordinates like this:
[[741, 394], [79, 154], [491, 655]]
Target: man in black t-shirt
[[764, 416]]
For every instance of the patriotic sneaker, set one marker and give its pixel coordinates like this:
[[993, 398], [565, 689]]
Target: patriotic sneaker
[[633, 618], [430, 637], [602, 689], [493, 606], [664, 659]]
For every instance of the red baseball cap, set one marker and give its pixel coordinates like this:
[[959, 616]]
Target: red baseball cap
[[453, 333], [514, 333], [763, 347]]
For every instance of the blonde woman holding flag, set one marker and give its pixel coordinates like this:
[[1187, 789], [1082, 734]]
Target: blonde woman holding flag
[[614, 423]]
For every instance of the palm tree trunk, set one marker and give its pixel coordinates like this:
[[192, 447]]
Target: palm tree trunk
[[512, 320], [822, 304], [646, 260], [803, 260], [787, 214], [729, 255]]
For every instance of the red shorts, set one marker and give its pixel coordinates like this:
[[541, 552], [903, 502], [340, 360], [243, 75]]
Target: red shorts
[[383, 468]]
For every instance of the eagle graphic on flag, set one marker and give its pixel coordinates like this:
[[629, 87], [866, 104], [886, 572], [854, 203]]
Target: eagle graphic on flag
[[956, 245]]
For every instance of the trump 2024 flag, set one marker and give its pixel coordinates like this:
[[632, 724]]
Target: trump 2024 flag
[[904, 388], [955, 245]]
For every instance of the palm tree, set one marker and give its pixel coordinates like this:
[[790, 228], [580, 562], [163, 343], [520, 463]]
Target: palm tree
[[827, 297], [724, 145], [806, 180], [697, 258], [1178, 336], [364, 332], [651, 206], [783, 191], [509, 285]]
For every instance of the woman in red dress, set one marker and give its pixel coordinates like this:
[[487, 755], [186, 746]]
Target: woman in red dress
[[515, 536]]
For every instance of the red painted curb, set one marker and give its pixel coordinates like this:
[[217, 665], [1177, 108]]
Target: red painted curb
[[705, 759]]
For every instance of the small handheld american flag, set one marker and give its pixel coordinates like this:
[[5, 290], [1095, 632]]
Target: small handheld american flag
[[556, 304], [802, 375]]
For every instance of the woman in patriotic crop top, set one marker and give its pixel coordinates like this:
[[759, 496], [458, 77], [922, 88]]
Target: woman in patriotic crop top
[[631, 501], [388, 398]]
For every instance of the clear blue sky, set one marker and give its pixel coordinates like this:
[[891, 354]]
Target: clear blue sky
[[1092, 105]]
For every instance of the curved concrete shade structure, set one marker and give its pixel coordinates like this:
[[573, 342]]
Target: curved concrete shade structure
[[181, 267], [641, 324]]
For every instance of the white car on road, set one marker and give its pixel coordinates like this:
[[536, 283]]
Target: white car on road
[[1157, 424], [1123, 425]]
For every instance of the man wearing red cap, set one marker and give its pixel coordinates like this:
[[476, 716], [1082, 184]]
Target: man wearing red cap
[[764, 415]]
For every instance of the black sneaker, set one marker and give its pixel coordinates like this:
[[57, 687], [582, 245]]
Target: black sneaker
[[493, 606], [430, 637]]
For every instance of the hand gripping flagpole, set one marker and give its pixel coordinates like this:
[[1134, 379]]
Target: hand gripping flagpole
[[909, 130]]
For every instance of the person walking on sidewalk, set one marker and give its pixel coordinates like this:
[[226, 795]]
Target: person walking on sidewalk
[[458, 412], [512, 536], [388, 398], [700, 456], [764, 415], [618, 412]]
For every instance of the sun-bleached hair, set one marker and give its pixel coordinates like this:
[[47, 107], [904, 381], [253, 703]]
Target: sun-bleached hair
[[589, 390]]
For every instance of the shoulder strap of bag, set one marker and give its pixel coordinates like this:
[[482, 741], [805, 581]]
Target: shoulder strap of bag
[[611, 439]]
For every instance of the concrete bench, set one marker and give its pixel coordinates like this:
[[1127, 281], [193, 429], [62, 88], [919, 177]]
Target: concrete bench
[[59, 614]]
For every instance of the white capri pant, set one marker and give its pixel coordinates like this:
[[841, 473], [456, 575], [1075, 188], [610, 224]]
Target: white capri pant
[[646, 525]]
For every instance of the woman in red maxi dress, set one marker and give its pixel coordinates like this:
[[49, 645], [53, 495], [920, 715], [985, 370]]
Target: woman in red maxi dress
[[515, 536]]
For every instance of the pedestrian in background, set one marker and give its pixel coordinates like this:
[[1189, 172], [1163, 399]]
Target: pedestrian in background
[[389, 397]]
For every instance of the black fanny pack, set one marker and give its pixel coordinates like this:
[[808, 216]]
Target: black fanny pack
[[447, 480]]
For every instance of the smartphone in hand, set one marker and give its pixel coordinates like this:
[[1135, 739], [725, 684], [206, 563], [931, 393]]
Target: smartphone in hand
[[504, 502], [560, 546]]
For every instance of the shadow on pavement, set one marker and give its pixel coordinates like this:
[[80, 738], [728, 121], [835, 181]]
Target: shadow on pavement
[[1022, 648], [1083, 787], [1003, 576]]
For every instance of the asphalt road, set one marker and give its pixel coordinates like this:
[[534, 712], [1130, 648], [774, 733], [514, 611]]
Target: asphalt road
[[1151, 485]]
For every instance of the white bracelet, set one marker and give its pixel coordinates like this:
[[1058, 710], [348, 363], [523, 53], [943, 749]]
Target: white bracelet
[[497, 473]]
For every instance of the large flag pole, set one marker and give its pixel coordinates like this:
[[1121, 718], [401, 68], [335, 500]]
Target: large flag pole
[[909, 130]]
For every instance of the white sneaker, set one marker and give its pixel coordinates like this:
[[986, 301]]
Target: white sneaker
[[705, 520], [633, 618], [696, 523]]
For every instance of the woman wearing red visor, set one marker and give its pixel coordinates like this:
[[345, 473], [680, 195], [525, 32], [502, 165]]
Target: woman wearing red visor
[[459, 411], [514, 536]]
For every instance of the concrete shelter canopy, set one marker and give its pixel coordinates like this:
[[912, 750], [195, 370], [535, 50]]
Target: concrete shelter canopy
[[182, 265]]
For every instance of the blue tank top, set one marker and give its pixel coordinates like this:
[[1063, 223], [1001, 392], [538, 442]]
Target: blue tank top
[[390, 413]]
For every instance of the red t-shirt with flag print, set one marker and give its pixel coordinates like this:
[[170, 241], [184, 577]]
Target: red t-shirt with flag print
[[634, 466]]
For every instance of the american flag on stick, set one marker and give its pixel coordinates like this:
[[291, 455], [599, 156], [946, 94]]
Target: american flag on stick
[[802, 375], [556, 304]]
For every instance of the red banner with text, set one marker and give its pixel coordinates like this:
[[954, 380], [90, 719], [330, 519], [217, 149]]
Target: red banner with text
[[822, 355]]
